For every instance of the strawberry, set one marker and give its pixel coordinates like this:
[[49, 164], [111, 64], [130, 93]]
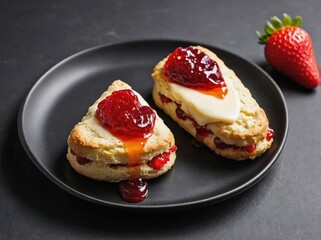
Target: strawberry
[[288, 49]]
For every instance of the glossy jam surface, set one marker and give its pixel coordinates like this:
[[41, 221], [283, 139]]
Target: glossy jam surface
[[270, 134], [134, 148], [133, 191], [222, 145], [160, 160], [192, 68], [249, 149], [123, 115]]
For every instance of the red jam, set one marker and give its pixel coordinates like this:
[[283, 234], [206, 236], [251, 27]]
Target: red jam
[[222, 145], [80, 160], [192, 68], [123, 115], [160, 160], [180, 113], [270, 134], [165, 99], [133, 191], [249, 149], [201, 131]]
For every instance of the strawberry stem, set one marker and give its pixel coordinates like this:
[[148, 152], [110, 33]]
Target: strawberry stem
[[297, 21], [286, 20], [276, 24]]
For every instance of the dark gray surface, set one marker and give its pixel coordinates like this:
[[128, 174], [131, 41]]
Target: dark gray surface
[[35, 35]]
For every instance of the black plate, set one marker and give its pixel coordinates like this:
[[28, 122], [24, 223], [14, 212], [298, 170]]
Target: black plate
[[62, 96]]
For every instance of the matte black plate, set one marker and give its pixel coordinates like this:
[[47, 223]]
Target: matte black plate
[[62, 96]]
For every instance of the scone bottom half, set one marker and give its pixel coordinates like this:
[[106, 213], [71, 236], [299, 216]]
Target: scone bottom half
[[186, 84], [121, 139]]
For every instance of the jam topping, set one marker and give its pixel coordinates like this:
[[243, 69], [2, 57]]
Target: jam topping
[[133, 191], [123, 115], [192, 68], [160, 160]]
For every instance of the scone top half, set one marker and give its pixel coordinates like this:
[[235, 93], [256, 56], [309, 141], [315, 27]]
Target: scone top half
[[234, 124], [107, 155]]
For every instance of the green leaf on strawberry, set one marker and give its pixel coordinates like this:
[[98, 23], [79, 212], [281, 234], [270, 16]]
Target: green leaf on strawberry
[[288, 49]]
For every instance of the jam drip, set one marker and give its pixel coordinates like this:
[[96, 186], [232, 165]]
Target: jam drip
[[192, 68], [133, 191], [135, 149], [123, 116]]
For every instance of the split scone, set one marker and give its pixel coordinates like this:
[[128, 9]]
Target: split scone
[[198, 91], [121, 138]]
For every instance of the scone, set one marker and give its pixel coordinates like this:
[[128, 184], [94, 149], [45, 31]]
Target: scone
[[206, 98], [121, 138]]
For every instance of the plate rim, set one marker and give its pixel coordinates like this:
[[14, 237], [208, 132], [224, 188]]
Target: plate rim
[[177, 206]]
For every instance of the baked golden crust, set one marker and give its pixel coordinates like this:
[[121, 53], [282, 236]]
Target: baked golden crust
[[250, 128], [90, 140], [100, 171]]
